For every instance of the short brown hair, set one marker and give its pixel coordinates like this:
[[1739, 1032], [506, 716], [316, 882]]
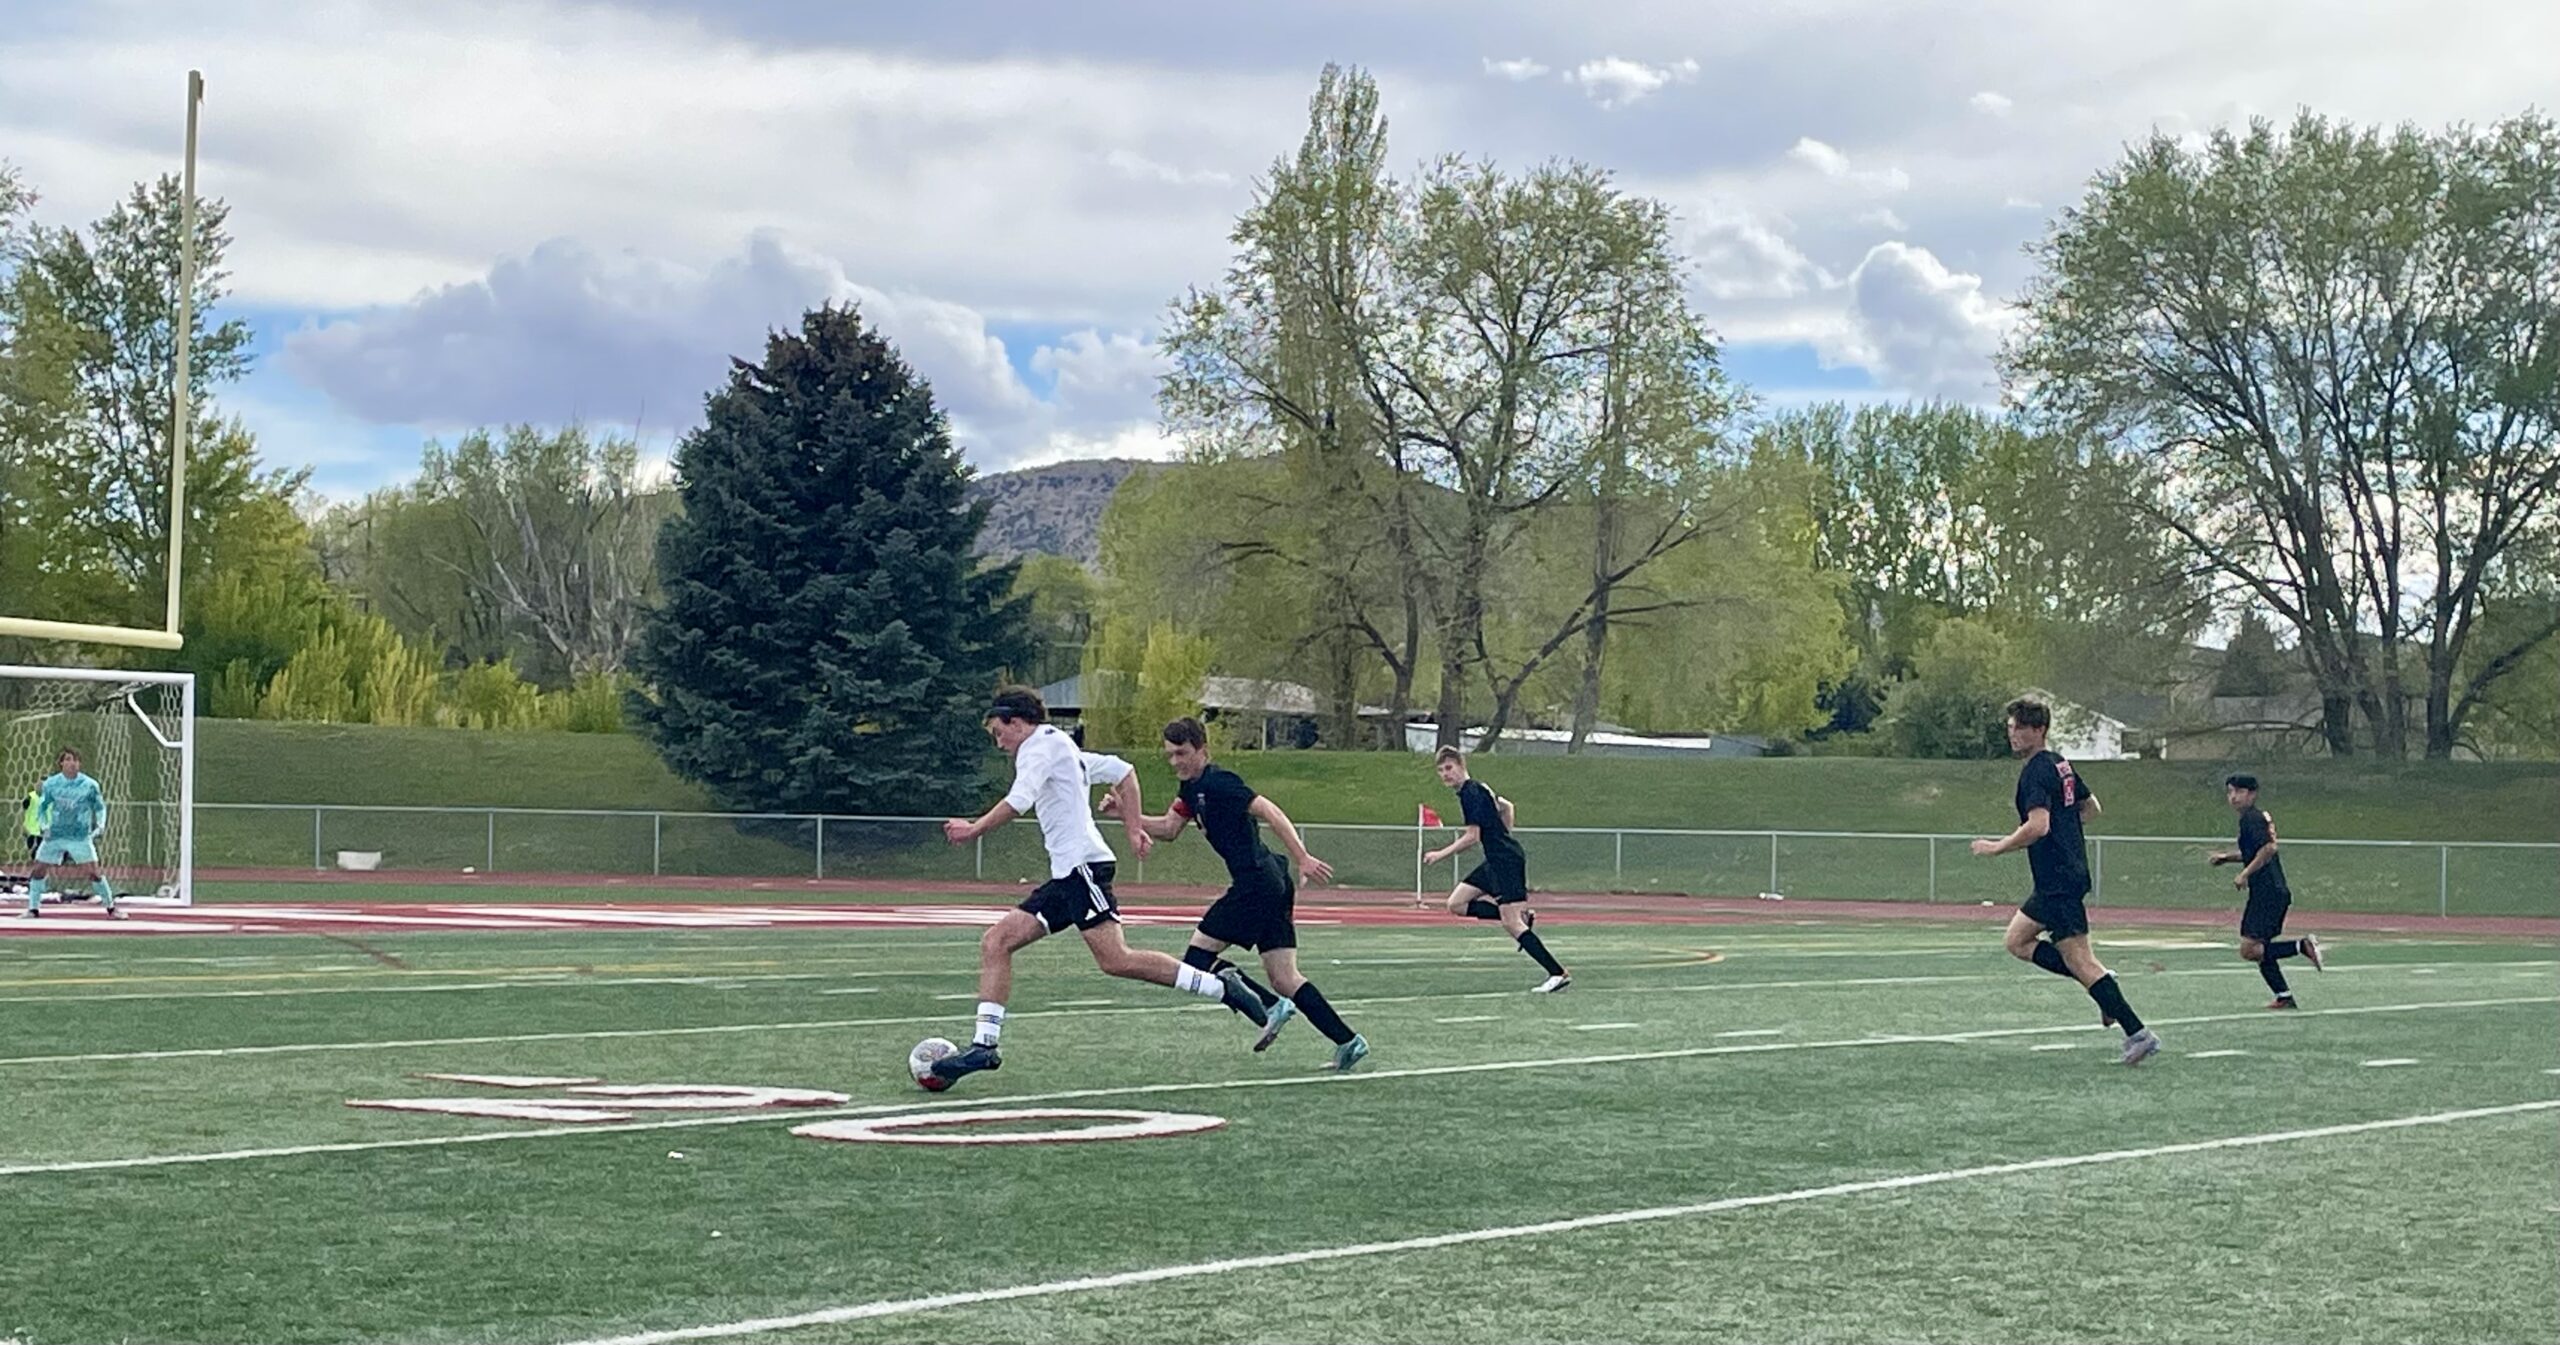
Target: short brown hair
[[2029, 713], [1448, 754], [1186, 732], [1018, 702], [71, 752]]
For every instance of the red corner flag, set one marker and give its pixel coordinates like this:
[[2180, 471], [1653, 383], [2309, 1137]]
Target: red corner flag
[[1429, 818]]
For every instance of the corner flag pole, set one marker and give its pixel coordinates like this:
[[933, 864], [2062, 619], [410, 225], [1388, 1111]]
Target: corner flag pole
[[186, 329]]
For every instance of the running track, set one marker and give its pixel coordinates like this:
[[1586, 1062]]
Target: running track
[[856, 904]]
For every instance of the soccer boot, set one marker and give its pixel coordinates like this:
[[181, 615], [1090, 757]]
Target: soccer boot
[[960, 1064], [1350, 1053], [1281, 1012], [1240, 997], [2139, 1047]]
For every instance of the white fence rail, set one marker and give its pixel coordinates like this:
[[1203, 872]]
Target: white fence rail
[[2407, 877]]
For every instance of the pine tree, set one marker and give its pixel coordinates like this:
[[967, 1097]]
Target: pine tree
[[826, 637], [2252, 665]]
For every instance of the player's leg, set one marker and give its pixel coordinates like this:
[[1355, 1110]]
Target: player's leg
[[1281, 965], [1016, 930], [2025, 942], [48, 856], [1215, 934], [1468, 898], [1515, 917], [2139, 1041], [1112, 953], [2261, 924], [86, 855]]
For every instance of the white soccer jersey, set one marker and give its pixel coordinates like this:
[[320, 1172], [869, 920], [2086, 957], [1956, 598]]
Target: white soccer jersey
[[1049, 780], [1103, 770]]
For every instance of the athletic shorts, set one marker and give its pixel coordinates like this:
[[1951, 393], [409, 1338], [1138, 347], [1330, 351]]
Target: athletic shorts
[[1504, 881], [1082, 899], [60, 851], [2064, 915], [2263, 917], [1260, 916]]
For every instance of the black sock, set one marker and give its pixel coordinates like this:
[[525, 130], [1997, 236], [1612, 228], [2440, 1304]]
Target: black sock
[[1482, 908], [1536, 948], [2275, 975], [1201, 958], [2050, 958], [1260, 991], [2284, 948], [2111, 1001], [1311, 1002]]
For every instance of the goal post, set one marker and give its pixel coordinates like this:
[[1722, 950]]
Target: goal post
[[135, 732]]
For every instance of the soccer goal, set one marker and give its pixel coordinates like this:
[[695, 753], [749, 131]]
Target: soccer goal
[[135, 732]]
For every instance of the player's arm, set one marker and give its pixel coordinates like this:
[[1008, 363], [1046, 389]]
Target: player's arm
[[97, 810], [962, 830], [2039, 821], [1467, 838], [1503, 806], [1310, 868]]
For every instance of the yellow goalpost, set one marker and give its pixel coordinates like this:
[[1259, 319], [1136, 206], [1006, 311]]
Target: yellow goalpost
[[167, 636]]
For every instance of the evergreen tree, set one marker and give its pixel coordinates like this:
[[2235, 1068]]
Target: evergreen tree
[[826, 638], [2252, 665]]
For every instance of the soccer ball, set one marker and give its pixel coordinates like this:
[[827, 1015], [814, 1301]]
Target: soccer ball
[[920, 1063]]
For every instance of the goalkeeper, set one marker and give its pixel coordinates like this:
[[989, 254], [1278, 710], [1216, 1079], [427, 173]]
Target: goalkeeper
[[74, 813]]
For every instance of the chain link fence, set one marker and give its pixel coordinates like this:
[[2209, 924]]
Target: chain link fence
[[2384, 877]]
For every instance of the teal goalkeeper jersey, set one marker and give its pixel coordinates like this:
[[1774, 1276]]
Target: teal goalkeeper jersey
[[74, 810]]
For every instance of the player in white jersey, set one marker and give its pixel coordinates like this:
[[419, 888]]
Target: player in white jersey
[[1049, 779]]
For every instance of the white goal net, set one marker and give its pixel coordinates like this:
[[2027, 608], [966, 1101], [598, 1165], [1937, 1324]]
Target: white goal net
[[135, 732]]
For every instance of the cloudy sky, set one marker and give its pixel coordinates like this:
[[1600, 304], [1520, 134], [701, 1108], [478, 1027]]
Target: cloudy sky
[[476, 213]]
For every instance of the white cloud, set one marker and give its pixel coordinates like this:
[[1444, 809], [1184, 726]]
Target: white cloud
[[1882, 217], [1616, 81], [1517, 69], [2020, 203], [1136, 166], [1734, 256], [567, 333], [1991, 103], [1831, 163], [1920, 327]]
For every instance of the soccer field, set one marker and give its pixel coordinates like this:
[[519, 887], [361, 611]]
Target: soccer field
[[1784, 1129]]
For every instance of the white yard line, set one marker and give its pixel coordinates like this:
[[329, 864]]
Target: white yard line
[[2212, 1055], [2388, 1062], [1326, 1078], [1496, 1018], [899, 1307], [1606, 1027], [1754, 1032]]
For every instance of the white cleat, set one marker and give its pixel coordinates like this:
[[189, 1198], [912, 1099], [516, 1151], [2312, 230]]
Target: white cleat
[[1551, 985], [2311, 952], [2139, 1047]]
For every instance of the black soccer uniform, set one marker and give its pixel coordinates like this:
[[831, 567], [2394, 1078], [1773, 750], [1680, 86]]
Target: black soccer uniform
[[1258, 909], [2269, 898], [2060, 859], [1504, 871]]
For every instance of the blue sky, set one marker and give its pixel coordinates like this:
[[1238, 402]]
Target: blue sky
[[528, 210]]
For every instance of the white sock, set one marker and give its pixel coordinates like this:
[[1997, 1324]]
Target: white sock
[[990, 1023], [1204, 984]]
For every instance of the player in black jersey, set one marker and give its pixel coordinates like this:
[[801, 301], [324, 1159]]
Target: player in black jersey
[[1258, 909], [2052, 800], [1498, 888], [2262, 877]]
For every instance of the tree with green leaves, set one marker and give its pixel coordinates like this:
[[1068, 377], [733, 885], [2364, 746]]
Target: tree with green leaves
[[2336, 350], [1951, 707], [826, 639]]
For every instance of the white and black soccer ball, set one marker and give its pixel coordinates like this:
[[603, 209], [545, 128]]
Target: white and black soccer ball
[[920, 1063]]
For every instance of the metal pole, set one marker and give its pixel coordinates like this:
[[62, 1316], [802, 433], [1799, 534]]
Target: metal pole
[[821, 824], [982, 856], [2098, 869], [493, 842], [1773, 861], [1618, 866], [657, 845], [1932, 843], [2444, 869], [186, 330], [315, 840]]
